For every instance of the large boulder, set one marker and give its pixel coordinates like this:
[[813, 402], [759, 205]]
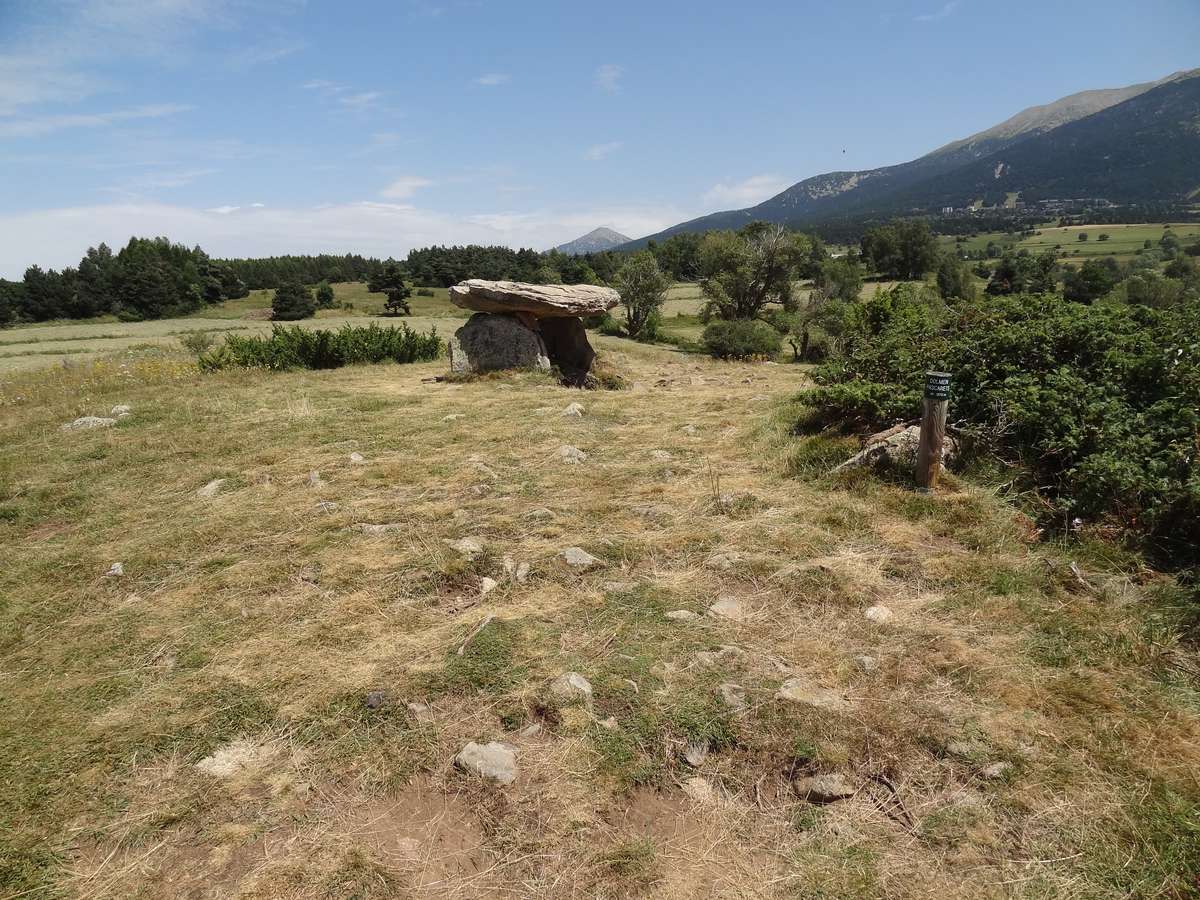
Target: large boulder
[[489, 342], [542, 301]]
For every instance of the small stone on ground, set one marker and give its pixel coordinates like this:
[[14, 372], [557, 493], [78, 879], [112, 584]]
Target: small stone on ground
[[823, 788], [572, 456], [211, 489], [578, 559], [878, 614], [492, 761], [727, 608], [571, 686], [801, 690]]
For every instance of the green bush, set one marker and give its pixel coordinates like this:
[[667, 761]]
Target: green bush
[[1099, 405], [292, 301], [740, 339], [302, 348], [424, 292]]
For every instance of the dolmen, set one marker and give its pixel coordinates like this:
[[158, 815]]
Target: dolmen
[[527, 326]]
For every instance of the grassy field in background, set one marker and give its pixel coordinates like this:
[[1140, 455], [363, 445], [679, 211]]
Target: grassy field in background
[[231, 716], [1123, 242]]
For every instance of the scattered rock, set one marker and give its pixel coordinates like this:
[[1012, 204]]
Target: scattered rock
[[540, 300], [121, 410], [878, 614], [618, 587], [487, 585], [733, 695], [418, 710], [695, 754], [699, 789], [823, 788], [492, 761], [489, 343], [211, 489], [357, 459], [231, 759], [867, 663], [571, 686], [327, 506], [689, 429], [572, 456], [314, 479], [579, 559], [84, 422], [573, 410], [662, 455], [517, 571], [454, 417], [541, 514], [532, 730], [995, 770], [469, 547], [382, 528], [376, 700], [723, 653], [682, 615], [801, 690], [728, 608], [898, 447], [723, 562], [116, 570]]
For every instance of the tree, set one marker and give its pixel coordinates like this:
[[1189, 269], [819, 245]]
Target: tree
[[840, 278], [1102, 237], [954, 279], [324, 295], [1092, 280], [743, 272], [643, 288], [397, 301], [390, 281], [1022, 273], [1082, 236], [292, 301], [903, 249]]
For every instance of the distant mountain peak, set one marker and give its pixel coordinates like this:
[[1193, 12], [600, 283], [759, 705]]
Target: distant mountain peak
[[595, 241]]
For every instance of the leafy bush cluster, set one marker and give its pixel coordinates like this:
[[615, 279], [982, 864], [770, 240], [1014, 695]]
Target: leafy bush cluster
[[301, 348], [741, 339], [1100, 405]]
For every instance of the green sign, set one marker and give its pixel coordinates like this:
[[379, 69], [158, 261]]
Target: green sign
[[937, 385]]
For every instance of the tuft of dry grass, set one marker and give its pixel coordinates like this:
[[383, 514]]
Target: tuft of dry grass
[[268, 702]]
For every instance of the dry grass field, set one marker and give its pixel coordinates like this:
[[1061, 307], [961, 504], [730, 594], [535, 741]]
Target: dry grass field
[[268, 701]]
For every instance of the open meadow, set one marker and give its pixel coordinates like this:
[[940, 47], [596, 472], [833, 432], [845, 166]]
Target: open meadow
[[791, 686], [1123, 242]]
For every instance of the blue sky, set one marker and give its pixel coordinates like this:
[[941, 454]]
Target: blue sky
[[256, 127]]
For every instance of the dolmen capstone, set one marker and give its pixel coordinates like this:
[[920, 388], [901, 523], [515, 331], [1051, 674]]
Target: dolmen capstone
[[527, 326]]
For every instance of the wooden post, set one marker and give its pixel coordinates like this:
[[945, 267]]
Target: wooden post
[[933, 430]]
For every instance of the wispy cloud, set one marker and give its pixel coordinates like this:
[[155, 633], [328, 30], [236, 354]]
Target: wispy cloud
[[748, 192], [493, 79], [34, 126], [264, 53], [598, 152], [361, 100], [343, 95], [608, 77], [404, 187], [947, 9], [223, 210]]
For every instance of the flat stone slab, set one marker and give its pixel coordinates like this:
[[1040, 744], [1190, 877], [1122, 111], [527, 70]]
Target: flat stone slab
[[539, 300]]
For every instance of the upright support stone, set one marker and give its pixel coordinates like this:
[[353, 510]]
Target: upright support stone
[[489, 342], [568, 348]]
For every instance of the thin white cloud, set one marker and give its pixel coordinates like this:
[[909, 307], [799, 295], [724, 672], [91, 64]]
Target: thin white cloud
[[751, 191], [598, 152], [262, 54], [361, 100], [257, 205], [492, 79], [946, 10], [59, 237], [153, 180], [33, 126], [608, 77], [223, 210], [404, 187]]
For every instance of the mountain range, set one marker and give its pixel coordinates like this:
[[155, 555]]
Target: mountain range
[[1132, 145], [595, 241]]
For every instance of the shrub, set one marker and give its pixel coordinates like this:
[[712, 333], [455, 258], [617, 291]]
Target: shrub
[[292, 301], [324, 295], [643, 289], [740, 339], [302, 348], [424, 292], [198, 342], [1097, 404]]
